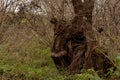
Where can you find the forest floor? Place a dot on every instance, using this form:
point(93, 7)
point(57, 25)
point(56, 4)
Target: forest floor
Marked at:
point(35, 63)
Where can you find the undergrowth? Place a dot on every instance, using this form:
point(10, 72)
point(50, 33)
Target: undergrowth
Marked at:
point(35, 63)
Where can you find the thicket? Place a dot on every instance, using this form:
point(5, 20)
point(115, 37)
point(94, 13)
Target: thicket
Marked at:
point(26, 37)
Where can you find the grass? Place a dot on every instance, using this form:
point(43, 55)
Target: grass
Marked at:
point(35, 63)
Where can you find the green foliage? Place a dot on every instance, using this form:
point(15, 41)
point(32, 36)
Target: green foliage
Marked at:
point(35, 63)
point(115, 74)
point(89, 74)
point(87, 77)
point(117, 61)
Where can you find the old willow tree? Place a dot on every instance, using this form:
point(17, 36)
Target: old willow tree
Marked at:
point(75, 46)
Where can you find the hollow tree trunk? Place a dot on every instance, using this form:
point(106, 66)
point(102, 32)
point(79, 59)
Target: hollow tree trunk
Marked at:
point(75, 46)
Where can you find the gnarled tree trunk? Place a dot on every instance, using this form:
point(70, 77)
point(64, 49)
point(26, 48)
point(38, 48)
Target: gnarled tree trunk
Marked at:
point(75, 46)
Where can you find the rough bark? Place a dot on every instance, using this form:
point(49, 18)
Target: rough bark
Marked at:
point(75, 46)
